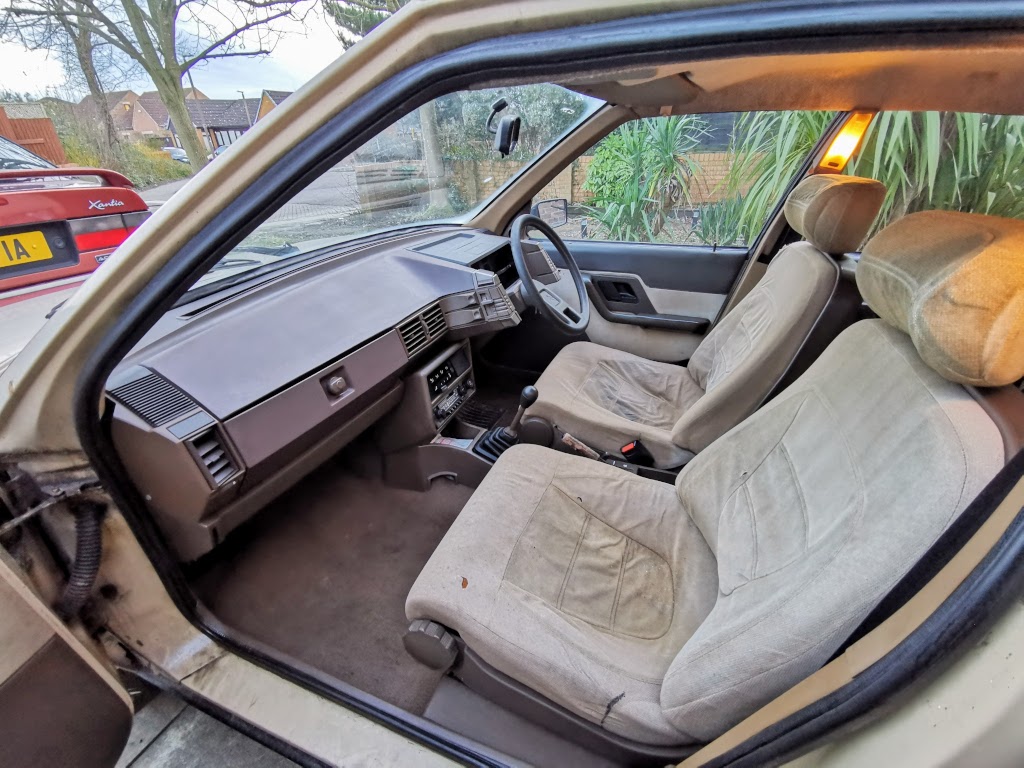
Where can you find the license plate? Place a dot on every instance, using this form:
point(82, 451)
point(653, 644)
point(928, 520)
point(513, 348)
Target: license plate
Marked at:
point(23, 248)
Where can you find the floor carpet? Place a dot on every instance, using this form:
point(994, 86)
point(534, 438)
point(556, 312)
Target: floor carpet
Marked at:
point(322, 574)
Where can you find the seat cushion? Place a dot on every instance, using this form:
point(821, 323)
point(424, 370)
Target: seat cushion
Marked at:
point(607, 398)
point(577, 579)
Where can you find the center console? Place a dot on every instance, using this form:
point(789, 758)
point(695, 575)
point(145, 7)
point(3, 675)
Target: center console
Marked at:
point(422, 439)
point(449, 385)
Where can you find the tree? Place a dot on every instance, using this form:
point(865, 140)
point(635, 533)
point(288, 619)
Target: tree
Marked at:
point(75, 47)
point(355, 19)
point(167, 38)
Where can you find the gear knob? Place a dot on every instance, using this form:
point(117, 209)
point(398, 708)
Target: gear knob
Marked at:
point(528, 397)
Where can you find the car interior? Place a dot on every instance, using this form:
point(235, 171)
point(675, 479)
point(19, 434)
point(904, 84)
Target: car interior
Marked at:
point(582, 499)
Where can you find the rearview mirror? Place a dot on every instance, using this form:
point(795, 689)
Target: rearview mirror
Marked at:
point(507, 135)
point(554, 213)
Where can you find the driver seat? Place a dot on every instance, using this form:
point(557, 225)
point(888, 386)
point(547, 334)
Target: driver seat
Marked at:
point(665, 614)
point(608, 398)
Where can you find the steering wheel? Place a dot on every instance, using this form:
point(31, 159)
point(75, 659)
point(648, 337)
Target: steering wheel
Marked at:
point(535, 288)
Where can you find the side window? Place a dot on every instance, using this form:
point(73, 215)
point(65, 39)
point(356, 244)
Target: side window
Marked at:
point(688, 179)
point(951, 161)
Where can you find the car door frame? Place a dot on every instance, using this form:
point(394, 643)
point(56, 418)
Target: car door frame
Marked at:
point(207, 243)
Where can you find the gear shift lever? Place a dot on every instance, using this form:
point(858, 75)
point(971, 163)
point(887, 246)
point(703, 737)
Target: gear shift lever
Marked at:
point(497, 440)
point(526, 399)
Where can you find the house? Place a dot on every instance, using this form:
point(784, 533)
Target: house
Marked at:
point(27, 125)
point(269, 100)
point(138, 116)
point(219, 122)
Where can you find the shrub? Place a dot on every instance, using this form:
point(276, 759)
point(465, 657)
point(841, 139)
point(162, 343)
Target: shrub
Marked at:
point(640, 172)
point(719, 223)
point(147, 167)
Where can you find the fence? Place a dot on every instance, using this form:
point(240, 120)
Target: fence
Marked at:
point(36, 134)
point(402, 184)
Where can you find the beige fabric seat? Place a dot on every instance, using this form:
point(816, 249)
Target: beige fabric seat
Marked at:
point(667, 614)
point(607, 398)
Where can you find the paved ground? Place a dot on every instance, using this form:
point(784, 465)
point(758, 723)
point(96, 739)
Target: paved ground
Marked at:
point(166, 732)
point(332, 194)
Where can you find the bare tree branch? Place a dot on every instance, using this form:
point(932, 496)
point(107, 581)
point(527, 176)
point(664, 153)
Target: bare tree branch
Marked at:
point(165, 37)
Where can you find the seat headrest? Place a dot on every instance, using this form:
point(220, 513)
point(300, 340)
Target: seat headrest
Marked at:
point(955, 283)
point(834, 213)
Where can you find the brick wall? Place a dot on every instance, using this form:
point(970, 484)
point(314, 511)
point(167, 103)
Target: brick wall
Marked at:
point(478, 179)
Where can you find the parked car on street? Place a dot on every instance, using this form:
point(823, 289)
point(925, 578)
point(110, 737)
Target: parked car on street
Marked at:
point(177, 153)
point(218, 152)
point(585, 383)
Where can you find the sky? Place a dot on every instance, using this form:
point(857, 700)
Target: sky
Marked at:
point(302, 52)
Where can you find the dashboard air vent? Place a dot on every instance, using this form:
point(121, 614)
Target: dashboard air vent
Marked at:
point(418, 331)
point(153, 398)
point(214, 457)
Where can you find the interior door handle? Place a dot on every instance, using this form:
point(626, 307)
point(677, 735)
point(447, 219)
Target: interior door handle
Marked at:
point(617, 291)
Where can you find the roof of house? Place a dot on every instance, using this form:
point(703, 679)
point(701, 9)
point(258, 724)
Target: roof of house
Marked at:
point(113, 98)
point(122, 118)
point(154, 105)
point(222, 113)
point(239, 113)
point(278, 96)
point(23, 111)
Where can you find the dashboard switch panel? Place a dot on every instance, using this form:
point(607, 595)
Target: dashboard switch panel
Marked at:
point(487, 308)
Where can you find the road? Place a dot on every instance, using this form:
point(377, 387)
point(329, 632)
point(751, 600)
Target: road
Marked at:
point(333, 194)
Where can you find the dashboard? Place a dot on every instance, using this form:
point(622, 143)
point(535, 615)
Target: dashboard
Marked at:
point(232, 398)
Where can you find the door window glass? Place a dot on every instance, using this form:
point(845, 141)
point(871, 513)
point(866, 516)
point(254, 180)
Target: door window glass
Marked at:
point(689, 179)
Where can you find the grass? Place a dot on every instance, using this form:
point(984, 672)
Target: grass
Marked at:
point(144, 166)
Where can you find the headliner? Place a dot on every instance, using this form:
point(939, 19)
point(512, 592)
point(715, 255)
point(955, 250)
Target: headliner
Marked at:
point(966, 79)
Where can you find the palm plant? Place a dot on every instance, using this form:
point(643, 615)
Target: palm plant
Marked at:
point(626, 216)
point(768, 149)
point(640, 172)
point(719, 223)
point(945, 160)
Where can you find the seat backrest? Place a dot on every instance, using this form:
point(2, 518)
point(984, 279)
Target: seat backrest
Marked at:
point(819, 503)
point(747, 353)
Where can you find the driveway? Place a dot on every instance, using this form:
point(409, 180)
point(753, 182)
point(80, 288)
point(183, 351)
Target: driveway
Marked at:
point(332, 194)
point(166, 733)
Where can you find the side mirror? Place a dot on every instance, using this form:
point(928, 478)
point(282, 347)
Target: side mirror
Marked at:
point(554, 213)
point(507, 135)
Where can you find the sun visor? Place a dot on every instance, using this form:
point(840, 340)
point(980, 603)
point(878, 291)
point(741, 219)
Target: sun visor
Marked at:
point(668, 91)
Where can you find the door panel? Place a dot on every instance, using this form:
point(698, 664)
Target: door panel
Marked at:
point(58, 705)
point(693, 268)
point(653, 300)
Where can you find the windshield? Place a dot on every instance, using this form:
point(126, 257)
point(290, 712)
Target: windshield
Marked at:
point(435, 164)
point(16, 158)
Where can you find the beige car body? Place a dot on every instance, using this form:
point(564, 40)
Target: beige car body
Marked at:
point(969, 715)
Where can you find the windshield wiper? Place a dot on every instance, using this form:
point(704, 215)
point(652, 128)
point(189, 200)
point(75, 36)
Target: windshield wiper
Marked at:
point(228, 263)
point(269, 250)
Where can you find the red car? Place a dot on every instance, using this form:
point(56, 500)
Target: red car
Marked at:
point(57, 225)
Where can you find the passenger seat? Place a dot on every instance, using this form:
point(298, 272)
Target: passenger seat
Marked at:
point(608, 398)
